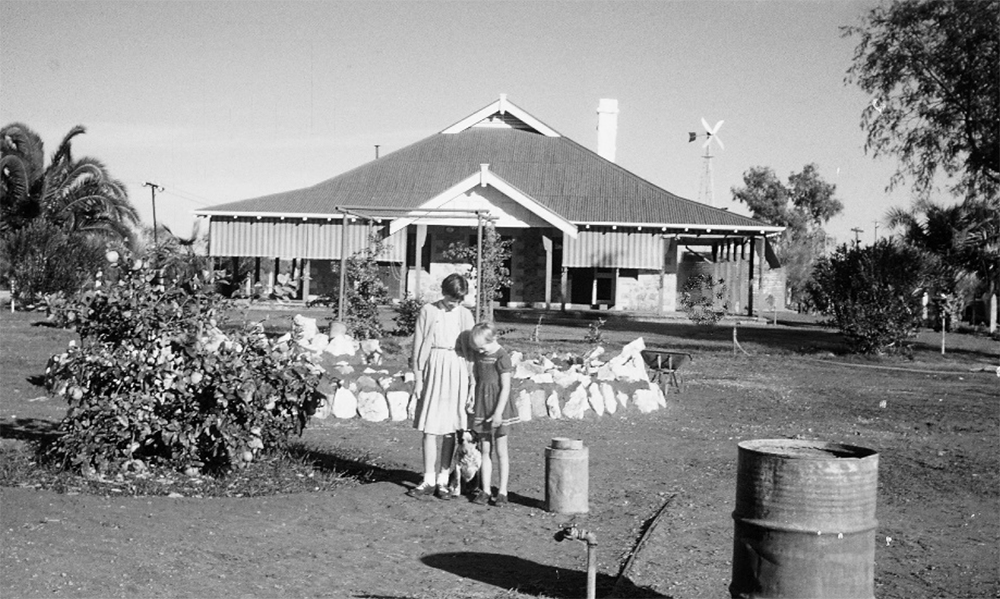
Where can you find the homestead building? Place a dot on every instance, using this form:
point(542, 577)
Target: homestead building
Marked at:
point(586, 232)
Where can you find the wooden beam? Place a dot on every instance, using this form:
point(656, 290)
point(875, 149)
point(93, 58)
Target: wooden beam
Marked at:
point(547, 245)
point(750, 280)
point(564, 286)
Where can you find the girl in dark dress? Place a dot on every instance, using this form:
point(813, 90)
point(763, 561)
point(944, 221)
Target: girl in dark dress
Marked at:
point(493, 412)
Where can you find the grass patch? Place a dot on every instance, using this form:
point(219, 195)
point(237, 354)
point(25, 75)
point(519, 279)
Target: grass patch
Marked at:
point(298, 470)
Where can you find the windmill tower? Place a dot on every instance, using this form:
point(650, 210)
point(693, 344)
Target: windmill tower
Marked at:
point(706, 192)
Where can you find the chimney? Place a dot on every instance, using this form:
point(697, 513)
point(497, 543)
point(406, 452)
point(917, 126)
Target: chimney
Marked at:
point(607, 128)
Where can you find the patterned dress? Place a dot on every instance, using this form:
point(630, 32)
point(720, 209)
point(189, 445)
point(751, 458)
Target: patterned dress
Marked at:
point(488, 369)
point(441, 357)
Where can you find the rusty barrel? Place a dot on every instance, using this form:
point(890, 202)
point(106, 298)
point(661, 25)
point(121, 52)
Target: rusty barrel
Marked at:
point(567, 477)
point(804, 520)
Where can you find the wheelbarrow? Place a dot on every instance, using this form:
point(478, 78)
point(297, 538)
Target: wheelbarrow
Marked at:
point(663, 365)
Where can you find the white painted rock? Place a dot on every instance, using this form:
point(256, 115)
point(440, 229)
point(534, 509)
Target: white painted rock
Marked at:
point(543, 378)
point(645, 400)
point(606, 373)
point(303, 329)
point(342, 345)
point(595, 398)
point(345, 403)
point(622, 399)
point(564, 378)
point(552, 405)
point(371, 346)
point(522, 404)
point(576, 406)
point(366, 382)
point(372, 406)
point(538, 409)
point(385, 382)
point(526, 370)
point(594, 354)
point(397, 401)
point(608, 393)
point(661, 400)
point(317, 344)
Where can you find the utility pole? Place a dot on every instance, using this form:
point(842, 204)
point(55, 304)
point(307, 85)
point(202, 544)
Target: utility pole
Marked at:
point(857, 231)
point(876, 231)
point(152, 188)
point(376, 151)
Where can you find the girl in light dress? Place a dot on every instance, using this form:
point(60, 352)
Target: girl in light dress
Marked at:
point(442, 372)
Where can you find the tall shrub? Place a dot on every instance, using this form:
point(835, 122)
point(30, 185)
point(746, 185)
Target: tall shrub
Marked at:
point(42, 258)
point(496, 275)
point(703, 299)
point(154, 381)
point(872, 294)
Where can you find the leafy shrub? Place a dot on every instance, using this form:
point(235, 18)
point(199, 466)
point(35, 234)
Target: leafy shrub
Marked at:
point(496, 274)
point(595, 336)
point(155, 381)
point(872, 294)
point(703, 299)
point(406, 316)
point(42, 258)
point(366, 290)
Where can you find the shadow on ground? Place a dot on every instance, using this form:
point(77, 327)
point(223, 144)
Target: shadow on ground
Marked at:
point(528, 577)
point(360, 467)
point(29, 429)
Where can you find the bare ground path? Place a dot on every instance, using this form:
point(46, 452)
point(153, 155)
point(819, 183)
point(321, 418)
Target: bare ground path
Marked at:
point(939, 500)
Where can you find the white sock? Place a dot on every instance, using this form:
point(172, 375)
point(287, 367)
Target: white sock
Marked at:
point(442, 478)
point(429, 478)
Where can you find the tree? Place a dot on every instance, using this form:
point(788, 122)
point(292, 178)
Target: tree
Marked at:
point(958, 244)
point(872, 293)
point(802, 206)
point(76, 198)
point(932, 66)
point(495, 275)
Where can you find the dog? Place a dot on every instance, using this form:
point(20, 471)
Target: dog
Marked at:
point(465, 462)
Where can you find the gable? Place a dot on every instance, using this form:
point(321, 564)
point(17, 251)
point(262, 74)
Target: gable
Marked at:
point(502, 114)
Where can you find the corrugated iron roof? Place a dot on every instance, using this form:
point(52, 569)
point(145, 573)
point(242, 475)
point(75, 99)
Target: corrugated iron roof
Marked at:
point(557, 172)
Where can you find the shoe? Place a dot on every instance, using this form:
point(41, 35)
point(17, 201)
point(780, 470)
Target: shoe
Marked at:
point(481, 498)
point(442, 492)
point(500, 501)
point(422, 490)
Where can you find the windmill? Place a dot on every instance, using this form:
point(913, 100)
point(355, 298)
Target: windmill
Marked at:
point(706, 193)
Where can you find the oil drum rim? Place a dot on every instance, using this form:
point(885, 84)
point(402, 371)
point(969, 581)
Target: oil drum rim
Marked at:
point(837, 451)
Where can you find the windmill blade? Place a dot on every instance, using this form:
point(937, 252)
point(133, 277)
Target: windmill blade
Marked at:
point(704, 124)
point(722, 146)
point(716, 128)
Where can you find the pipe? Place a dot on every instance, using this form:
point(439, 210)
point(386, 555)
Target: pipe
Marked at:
point(578, 534)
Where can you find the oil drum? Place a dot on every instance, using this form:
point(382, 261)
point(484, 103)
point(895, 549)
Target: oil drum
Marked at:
point(804, 520)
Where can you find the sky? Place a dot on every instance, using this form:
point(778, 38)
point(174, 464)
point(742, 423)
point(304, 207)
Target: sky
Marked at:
point(222, 101)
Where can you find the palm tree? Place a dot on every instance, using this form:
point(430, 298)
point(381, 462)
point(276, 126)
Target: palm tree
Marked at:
point(79, 195)
point(22, 176)
point(71, 201)
point(960, 243)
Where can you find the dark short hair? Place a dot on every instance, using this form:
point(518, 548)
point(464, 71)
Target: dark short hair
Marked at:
point(455, 285)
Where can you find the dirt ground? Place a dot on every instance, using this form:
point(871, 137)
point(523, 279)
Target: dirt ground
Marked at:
point(938, 534)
